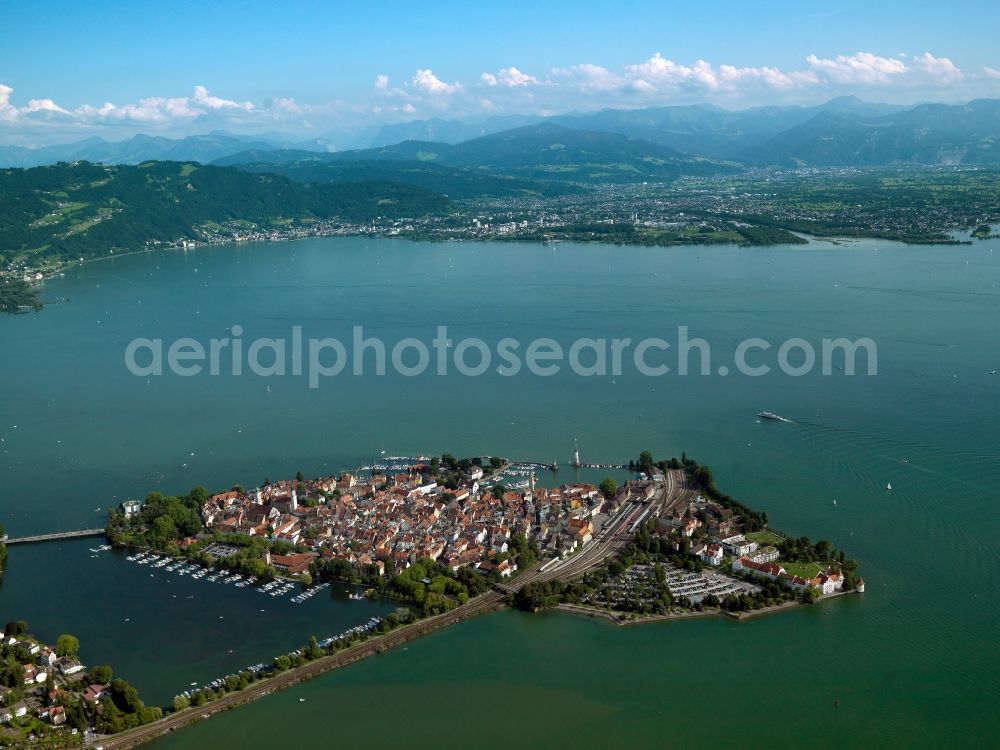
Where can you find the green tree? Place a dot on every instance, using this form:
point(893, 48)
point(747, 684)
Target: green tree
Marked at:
point(15, 628)
point(608, 487)
point(163, 531)
point(199, 496)
point(101, 675)
point(313, 651)
point(125, 697)
point(67, 645)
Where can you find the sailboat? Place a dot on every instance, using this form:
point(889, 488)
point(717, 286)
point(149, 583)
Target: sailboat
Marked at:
point(888, 487)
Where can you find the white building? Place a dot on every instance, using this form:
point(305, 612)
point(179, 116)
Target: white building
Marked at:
point(131, 508)
point(764, 555)
point(711, 555)
point(741, 548)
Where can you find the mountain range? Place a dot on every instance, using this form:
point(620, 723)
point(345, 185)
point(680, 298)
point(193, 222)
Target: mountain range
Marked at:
point(611, 145)
point(928, 134)
point(140, 148)
point(845, 131)
point(454, 182)
point(543, 152)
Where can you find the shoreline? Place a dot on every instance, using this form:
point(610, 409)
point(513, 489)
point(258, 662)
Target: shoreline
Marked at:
point(483, 604)
point(623, 619)
point(196, 245)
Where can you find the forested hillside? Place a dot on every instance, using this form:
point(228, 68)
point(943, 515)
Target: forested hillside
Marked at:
point(69, 211)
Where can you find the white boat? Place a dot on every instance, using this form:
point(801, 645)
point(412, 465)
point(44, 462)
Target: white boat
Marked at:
point(773, 417)
point(888, 487)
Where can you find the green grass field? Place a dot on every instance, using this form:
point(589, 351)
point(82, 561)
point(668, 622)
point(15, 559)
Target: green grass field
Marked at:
point(763, 538)
point(803, 569)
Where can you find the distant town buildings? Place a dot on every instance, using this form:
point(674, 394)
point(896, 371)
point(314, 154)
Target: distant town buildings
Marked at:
point(405, 516)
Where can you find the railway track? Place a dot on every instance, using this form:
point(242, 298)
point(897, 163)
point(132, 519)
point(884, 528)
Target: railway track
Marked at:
point(172, 722)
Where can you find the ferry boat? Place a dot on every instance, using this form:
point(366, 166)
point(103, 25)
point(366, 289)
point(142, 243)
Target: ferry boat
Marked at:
point(772, 416)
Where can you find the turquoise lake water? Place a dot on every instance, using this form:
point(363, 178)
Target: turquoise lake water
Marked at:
point(913, 661)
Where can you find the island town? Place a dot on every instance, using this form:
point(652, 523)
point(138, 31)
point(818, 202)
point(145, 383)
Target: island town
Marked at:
point(446, 538)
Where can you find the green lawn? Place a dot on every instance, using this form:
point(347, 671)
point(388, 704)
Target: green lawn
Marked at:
point(803, 569)
point(764, 538)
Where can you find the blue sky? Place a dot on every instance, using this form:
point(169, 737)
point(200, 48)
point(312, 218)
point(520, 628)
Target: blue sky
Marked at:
point(69, 69)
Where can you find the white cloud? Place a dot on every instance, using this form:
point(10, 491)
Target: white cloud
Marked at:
point(43, 105)
point(771, 77)
point(642, 86)
point(202, 98)
point(659, 73)
point(863, 67)
point(590, 77)
point(510, 77)
point(940, 68)
point(659, 70)
point(655, 80)
point(7, 110)
point(426, 81)
point(287, 104)
point(155, 109)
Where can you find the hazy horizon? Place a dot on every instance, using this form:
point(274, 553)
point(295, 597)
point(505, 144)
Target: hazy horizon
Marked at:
point(360, 137)
point(330, 74)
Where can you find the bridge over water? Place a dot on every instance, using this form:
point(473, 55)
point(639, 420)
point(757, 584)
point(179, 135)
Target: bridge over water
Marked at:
point(55, 536)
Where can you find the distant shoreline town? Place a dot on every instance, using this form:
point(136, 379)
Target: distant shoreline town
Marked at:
point(766, 206)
